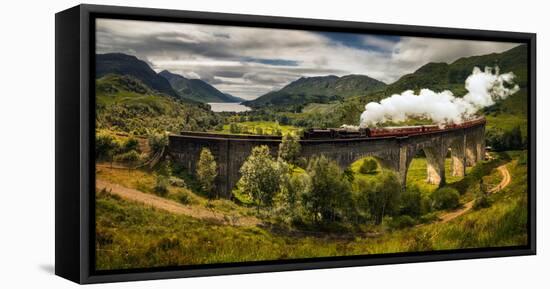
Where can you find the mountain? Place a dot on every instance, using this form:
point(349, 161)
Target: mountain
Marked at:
point(123, 64)
point(444, 76)
point(319, 89)
point(441, 76)
point(235, 98)
point(125, 103)
point(196, 89)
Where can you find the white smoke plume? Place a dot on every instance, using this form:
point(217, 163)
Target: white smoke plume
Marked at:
point(484, 88)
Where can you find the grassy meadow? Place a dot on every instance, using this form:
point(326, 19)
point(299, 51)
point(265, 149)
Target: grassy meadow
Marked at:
point(132, 235)
point(260, 127)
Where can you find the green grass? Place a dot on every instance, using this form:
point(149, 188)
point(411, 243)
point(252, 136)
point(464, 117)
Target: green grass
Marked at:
point(355, 166)
point(124, 104)
point(268, 127)
point(322, 108)
point(502, 224)
point(416, 175)
point(145, 181)
point(130, 235)
point(507, 122)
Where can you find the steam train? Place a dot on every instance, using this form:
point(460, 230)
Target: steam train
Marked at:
point(396, 131)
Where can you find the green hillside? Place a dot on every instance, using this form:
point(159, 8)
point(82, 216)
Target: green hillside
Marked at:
point(122, 64)
point(126, 104)
point(320, 89)
point(502, 117)
point(442, 76)
point(196, 89)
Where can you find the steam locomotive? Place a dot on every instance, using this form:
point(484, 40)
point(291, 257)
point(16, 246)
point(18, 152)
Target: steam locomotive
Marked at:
point(396, 131)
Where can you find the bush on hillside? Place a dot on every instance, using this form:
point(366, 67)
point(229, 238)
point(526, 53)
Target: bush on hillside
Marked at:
point(369, 166)
point(401, 222)
point(445, 198)
point(105, 146)
point(161, 185)
point(131, 157)
point(411, 202)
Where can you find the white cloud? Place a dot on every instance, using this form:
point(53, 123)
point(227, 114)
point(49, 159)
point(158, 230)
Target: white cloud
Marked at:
point(379, 42)
point(413, 52)
point(213, 52)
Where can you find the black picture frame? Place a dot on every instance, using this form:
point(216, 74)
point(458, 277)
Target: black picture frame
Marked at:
point(75, 114)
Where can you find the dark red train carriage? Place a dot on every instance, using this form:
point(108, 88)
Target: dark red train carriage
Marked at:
point(401, 131)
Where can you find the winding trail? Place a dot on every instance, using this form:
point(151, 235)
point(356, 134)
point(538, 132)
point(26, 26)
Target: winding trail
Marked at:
point(506, 179)
point(164, 204)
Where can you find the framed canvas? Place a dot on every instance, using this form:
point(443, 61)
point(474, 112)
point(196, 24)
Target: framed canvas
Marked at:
point(195, 144)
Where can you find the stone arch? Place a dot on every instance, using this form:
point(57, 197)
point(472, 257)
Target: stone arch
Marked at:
point(381, 162)
point(384, 159)
point(435, 153)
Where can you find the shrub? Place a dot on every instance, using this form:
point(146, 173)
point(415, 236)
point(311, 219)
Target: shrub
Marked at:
point(401, 222)
point(383, 196)
point(292, 187)
point(207, 171)
point(361, 199)
point(411, 202)
point(349, 174)
point(420, 242)
point(161, 185)
point(260, 177)
point(105, 146)
point(522, 160)
point(429, 218)
point(482, 202)
point(127, 157)
point(184, 199)
point(234, 128)
point(130, 144)
point(177, 182)
point(289, 148)
point(445, 198)
point(369, 166)
point(157, 142)
point(502, 140)
point(164, 167)
point(425, 205)
point(329, 196)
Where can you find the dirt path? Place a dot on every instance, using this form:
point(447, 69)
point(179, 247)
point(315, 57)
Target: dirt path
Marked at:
point(506, 178)
point(173, 206)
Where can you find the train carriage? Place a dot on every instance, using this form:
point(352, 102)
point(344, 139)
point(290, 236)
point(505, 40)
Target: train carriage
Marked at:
point(401, 131)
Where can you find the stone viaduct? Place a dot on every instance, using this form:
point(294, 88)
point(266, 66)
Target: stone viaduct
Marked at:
point(466, 146)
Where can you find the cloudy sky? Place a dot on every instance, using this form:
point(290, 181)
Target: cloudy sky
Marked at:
point(249, 62)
